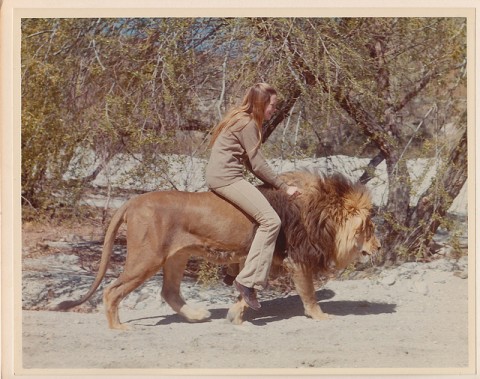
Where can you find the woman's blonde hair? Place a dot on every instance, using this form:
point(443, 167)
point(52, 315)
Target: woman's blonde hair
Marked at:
point(253, 107)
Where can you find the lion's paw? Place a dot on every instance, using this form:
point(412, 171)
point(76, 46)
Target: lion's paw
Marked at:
point(236, 311)
point(323, 316)
point(234, 318)
point(317, 314)
point(121, 327)
point(194, 314)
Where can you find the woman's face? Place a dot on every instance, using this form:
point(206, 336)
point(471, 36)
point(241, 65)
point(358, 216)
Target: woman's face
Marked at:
point(271, 108)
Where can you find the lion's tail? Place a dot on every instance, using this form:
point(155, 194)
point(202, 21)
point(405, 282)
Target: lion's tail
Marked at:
point(115, 223)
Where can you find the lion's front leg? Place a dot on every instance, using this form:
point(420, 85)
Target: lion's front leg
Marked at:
point(303, 279)
point(236, 312)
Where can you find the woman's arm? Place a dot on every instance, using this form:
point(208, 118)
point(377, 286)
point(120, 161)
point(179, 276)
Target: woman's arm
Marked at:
point(250, 140)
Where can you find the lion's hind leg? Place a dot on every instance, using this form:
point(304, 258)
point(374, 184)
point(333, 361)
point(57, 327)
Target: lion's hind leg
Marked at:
point(138, 268)
point(119, 289)
point(111, 300)
point(173, 271)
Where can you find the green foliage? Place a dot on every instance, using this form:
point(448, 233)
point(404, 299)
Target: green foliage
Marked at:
point(132, 87)
point(455, 243)
point(208, 273)
point(90, 84)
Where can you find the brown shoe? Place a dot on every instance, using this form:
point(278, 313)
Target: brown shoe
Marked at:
point(249, 294)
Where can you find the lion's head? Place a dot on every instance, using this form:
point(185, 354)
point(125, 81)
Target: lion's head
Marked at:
point(330, 224)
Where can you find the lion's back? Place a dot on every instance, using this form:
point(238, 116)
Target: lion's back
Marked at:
point(151, 205)
point(198, 213)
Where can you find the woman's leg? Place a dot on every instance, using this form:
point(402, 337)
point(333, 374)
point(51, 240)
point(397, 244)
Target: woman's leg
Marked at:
point(257, 266)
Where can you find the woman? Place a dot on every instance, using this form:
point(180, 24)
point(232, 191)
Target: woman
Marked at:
point(235, 144)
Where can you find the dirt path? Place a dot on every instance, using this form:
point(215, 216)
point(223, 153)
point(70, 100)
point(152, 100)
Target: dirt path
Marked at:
point(413, 316)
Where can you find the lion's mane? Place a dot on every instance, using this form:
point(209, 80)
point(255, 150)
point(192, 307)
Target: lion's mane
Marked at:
point(310, 223)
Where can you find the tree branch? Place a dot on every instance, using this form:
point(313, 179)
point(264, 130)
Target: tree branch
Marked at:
point(415, 91)
point(281, 114)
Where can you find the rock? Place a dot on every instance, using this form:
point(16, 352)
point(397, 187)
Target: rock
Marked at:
point(68, 259)
point(441, 265)
point(462, 262)
point(75, 238)
point(461, 274)
point(447, 251)
point(389, 280)
point(408, 271)
point(410, 265)
point(420, 287)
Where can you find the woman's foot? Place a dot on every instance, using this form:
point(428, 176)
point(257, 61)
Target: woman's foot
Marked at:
point(249, 295)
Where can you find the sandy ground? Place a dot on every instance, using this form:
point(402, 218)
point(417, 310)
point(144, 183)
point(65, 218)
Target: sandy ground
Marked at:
point(410, 319)
point(413, 316)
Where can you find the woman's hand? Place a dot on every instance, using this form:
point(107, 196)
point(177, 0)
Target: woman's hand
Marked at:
point(293, 191)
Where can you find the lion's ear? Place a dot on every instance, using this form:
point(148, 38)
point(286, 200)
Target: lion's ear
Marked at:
point(351, 206)
point(357, 202)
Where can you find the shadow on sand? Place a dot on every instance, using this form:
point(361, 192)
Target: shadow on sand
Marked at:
point(285, 308)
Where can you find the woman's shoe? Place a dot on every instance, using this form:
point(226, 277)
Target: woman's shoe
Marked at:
point(249, 295)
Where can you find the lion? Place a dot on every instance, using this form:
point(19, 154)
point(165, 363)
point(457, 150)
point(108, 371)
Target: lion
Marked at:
point(325, 228)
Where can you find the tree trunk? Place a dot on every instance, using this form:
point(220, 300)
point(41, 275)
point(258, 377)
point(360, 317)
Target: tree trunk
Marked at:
point(397, 206)
point(370, 170)
point(435, 202)
point(281, 114)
